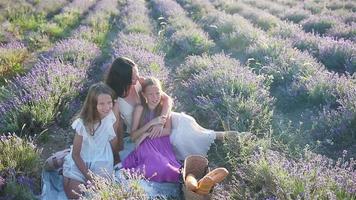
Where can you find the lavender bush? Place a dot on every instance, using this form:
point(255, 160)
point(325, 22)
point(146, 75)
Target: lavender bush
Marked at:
point(271, 174)
point(343, 31)
point(18, 154)
point(140, 46)
point(137, 40)
point(335, 128)
point(67, 19)
point(77, 52)
point(219, 86)
point(39, 96)
point(186, 38)
point(19, 159)
point(295, 15)
point(98, 23)
point(135, 18)
point(318, 24)
point(110, 189)
point(150, 64)
point(336, 55)
point(12, 56)
point(48, 6)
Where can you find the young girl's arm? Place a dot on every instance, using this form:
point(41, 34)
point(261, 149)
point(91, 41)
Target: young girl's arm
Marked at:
point(77, 146)
point(136, 132)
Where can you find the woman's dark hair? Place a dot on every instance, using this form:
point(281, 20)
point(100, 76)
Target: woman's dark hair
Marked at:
point(119, 77)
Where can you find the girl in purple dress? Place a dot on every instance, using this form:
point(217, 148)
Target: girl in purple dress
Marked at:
point(153, 156)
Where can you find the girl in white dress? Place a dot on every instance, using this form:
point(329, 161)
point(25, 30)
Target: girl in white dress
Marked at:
point(187, 136)
point(92, 146)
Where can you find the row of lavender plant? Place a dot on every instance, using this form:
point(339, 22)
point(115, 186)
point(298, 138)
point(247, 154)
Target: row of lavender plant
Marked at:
point(262, 173)
point(27, 23)
point(217, 90)
point(329, 23)
point(318, 6)
point(185, 36)
point(333, 126)
point(97, 25)
point(20, 18)
point(223, 94)
point(39, 97)
point(267, 56)
point(295, 77)
point(136, 41)
point(260, 180)
point(336, 55)
point(67, 19)
point(49, 88)
point(19, 158)
point(254, 179)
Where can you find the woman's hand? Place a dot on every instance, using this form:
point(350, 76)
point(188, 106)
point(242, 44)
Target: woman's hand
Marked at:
point(141, 139)
point(156, 130)
point(157, 121)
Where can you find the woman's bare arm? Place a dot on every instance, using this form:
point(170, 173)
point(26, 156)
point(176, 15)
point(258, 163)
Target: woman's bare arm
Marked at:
point(167, 129)
point(167, 104)
point(117, 143)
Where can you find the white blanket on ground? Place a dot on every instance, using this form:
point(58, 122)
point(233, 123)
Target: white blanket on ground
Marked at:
point(52, 183)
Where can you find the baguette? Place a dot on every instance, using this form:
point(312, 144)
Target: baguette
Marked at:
point(191, 182)
point(218, 174)
point(205, 184)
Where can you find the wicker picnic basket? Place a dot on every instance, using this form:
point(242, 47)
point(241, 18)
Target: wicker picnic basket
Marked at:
point(198, 166)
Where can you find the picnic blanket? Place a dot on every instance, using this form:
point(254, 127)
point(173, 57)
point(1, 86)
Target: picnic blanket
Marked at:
point(52, 182)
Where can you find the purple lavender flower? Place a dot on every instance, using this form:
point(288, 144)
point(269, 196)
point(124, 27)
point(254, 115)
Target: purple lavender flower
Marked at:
point(48, 86)
point(150, 64)
point(78, 52)
point(2, 182)
point(26, 181)
point(135, 18)
point(220, 86)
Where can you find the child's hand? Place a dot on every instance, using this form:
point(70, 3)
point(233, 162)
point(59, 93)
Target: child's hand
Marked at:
point(157, 120)
point(156, 131)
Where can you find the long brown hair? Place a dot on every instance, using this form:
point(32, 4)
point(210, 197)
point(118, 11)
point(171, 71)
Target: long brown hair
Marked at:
point(89, 113)
point(119, 77)
point(157, 111)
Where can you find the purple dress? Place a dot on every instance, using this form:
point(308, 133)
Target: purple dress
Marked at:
point(154, 158)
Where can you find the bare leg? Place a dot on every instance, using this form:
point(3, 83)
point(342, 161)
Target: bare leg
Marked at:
point(70, 185)
point(220, 135)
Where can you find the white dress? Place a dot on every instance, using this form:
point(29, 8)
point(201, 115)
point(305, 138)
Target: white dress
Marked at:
point(126, 109)
point(96, 150)
point(187, 136)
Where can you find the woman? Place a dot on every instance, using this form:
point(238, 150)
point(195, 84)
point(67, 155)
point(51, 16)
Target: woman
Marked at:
point(124, 79)
point(187, 136)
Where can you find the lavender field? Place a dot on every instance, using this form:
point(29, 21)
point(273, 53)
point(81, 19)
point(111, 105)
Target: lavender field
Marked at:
point(280, 72)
